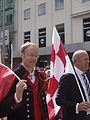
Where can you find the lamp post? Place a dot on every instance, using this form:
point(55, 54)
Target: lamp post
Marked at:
point(3, 41)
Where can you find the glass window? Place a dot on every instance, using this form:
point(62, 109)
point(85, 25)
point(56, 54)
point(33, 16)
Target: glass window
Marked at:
point(86, 29)
point(27, 14)
point(42, 9)
point(84, 0)
point(27, 36)
point(59, 4)
point(42, 37)
point(9, 19)
point(1, 21)
point(60, 29)
point(9, 5)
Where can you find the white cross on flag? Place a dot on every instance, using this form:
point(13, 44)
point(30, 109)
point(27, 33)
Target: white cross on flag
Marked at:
point(60, 64)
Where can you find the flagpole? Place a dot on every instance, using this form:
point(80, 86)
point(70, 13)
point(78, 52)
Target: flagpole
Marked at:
point(11, 56)
point(78, 84)
point(79, 88)
point(3, 42)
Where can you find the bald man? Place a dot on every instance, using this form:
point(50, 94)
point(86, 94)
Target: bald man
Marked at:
point(69, 96)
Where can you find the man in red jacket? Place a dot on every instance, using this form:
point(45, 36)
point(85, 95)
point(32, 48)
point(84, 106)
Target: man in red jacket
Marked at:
point(33, 101)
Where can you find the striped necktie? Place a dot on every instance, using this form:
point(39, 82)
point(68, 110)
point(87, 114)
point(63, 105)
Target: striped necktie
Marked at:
point(86, 84)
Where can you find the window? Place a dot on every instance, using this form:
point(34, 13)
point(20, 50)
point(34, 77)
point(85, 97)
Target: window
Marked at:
point(9, 1)
point(0, 21)
point(9, 5)
point(84, 0)
point(59, 4)
point(60, 29)
point(27, 14)
point(27, 36)
point(86, 29)
point(42, 37)
point(9, 19)
point(42, 9)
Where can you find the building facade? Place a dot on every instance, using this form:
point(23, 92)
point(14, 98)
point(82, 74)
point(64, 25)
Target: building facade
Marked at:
point(7, 26)
point(34, 21)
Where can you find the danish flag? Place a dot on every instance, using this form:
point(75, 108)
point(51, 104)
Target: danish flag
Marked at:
point(60, 64)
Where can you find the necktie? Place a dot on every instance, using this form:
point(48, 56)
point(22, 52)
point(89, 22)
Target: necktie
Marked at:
point(86, 84)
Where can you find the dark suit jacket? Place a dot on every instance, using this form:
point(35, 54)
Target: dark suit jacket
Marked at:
point(24, 111)
point(68, 96)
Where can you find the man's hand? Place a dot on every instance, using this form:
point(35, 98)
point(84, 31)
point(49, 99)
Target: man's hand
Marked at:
point(21, 85)
point(83, 106)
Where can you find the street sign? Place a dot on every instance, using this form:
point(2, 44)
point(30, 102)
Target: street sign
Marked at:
point(6, 37)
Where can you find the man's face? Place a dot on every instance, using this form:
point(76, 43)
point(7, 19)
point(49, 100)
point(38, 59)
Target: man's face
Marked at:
point(30, 56)
point(84, 62)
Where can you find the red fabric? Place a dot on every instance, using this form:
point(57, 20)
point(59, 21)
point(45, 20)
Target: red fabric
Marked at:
point(1, 118)
point(60, 64)
point(52, 86)
point(37, 108)
point(45, 79)
point(51, 110)
point(7, 77)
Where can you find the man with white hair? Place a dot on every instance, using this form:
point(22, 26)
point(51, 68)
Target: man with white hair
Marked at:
point(69, 96)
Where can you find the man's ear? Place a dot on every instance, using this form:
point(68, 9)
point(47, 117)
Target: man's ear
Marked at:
point(21, 55)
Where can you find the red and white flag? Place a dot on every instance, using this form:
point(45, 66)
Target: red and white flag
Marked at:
point(60, 64)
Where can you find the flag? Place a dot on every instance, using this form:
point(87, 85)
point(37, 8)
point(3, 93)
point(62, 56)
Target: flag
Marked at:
point(60, 64)
point(1, 119)
point(7, 76)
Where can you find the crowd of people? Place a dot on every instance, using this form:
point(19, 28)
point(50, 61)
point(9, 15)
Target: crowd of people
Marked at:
point(25, 96)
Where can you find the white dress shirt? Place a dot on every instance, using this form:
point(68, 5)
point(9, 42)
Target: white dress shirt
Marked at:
point(79, 73)
point(31, 76)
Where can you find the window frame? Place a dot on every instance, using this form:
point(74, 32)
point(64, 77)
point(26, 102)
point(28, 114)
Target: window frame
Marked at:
point(42, 36)
point(57, 3)
point(27, 36)
point(41, 7)
point(27, 13)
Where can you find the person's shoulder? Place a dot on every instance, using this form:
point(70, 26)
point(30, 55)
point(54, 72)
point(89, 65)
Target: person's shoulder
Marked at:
point(67, 76)
point(19, 68)
point(16, 69)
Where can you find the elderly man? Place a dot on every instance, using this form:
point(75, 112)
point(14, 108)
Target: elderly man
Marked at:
point(69, 96)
